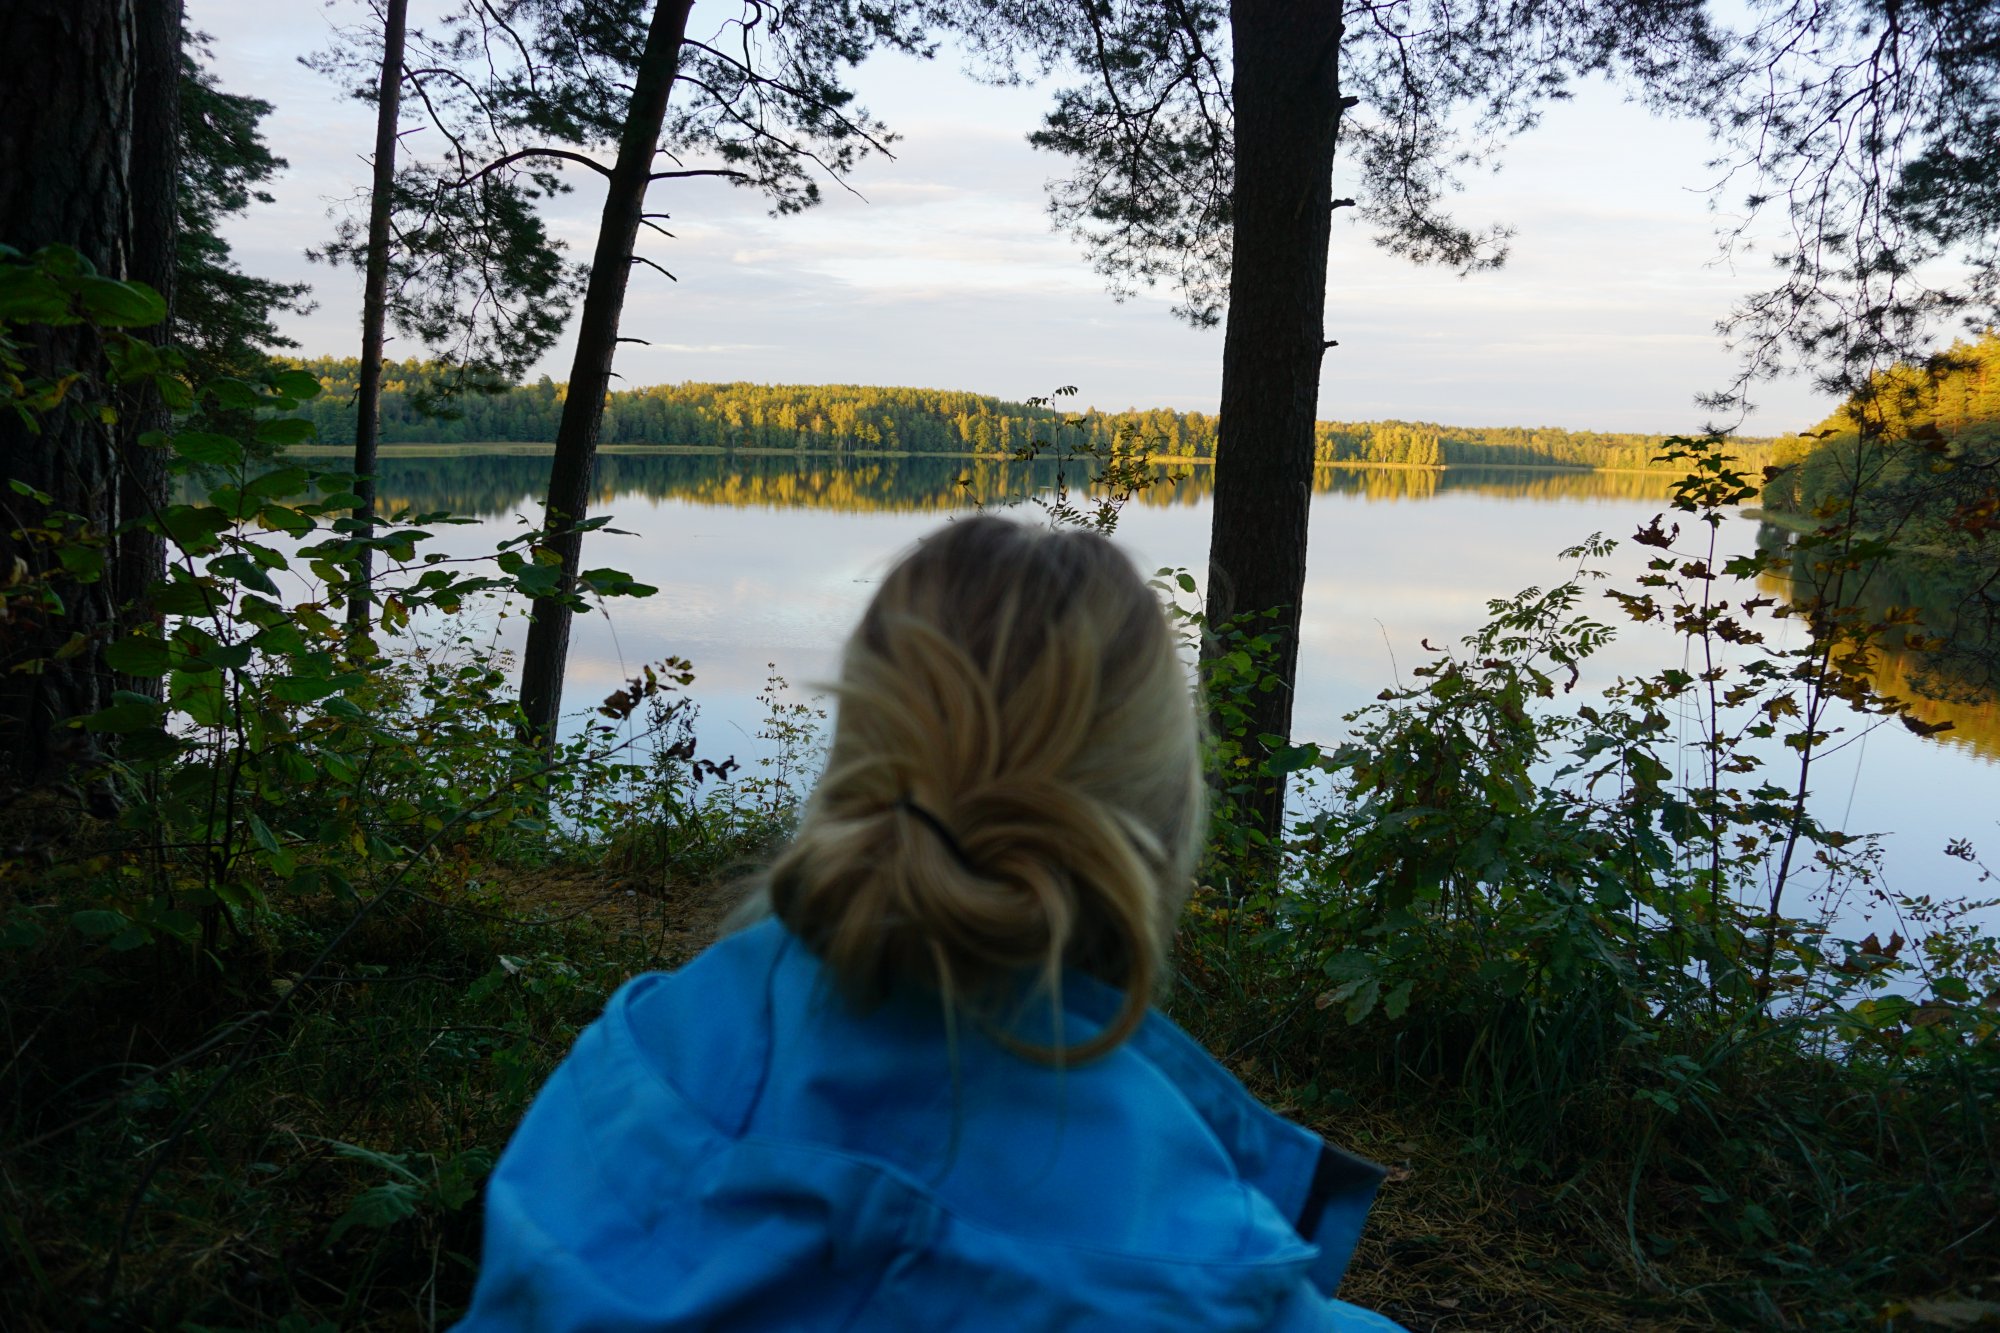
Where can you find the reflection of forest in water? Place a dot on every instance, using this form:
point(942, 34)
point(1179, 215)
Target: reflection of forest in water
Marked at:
point(485, 485)
point(1958, 683)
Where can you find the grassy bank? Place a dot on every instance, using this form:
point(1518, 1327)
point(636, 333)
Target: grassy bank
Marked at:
point(322, 1171)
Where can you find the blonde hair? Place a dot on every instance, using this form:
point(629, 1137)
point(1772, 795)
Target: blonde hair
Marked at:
point(1013, 785)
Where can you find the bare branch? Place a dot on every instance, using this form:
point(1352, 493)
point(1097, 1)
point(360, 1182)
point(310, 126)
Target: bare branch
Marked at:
point(511, 158)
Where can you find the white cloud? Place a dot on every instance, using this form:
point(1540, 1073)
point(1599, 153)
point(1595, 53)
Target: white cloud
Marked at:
point(948, 274)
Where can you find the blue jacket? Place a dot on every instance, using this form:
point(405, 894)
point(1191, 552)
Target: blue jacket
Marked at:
point(732, 1147)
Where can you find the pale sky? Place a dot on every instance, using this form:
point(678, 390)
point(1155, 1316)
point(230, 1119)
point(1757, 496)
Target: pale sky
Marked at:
point(947, 274)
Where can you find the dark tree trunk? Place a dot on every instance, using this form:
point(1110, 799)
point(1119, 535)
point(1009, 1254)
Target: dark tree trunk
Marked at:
point(1288, 106)
point(142, 469)
point(71, 129)
point(375, 308)
point(547, 651)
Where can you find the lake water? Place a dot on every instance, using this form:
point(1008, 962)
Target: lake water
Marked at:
point(769, 560)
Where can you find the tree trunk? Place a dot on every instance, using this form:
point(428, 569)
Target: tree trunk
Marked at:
point(375, 309)
point(1288, 106)
point(547, 651)
point(142, 469)
point(70, 130)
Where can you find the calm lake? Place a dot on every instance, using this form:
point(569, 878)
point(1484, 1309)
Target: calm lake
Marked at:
point(764, 563)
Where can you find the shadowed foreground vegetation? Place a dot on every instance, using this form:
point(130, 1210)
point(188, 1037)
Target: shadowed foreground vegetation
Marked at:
point(282, 964)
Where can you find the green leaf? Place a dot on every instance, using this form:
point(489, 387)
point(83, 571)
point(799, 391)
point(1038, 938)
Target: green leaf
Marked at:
point(183, 926)
point(173, 392)
point(231, 501)
point(194, 528)
point(1954, 989)
point(282, 431)
point(296, 383)
point(120, 304)
point(281, 637)
point(96, 923)
point(614, 583)
point(186, 595)
point(244, 570)
point(261, 832)
point(1646, 770)
point(29, 296)
point(206, 448)
point(276, 485)
point(139, 657)
point(378, 1208)
point(140, 747)
point(199, 695)
point(279, 518)
point(84, 563)
point(227, 656)
point(300, 689)
point(537, 580)
point(232, 395)
point(128, 712)
point(270, 557)
point(1363, 1003)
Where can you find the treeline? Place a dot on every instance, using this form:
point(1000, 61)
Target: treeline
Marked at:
point(1920, 440)
point(850, 418)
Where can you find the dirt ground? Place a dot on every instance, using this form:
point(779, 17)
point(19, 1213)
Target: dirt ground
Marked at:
point(672, 923)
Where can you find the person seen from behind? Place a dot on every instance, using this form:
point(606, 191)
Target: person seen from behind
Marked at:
point(924, 1087)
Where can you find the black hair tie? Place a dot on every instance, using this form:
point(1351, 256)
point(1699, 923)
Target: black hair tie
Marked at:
point(944, 833)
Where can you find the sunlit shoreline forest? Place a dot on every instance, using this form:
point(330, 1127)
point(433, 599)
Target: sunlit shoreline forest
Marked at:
point(860, 420)
point(1909, 467)
point(312, 870)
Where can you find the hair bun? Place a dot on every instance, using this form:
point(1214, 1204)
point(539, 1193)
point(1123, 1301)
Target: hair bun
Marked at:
point(1012, 785)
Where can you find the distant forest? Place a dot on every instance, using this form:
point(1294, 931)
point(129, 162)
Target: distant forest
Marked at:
point(841, 418)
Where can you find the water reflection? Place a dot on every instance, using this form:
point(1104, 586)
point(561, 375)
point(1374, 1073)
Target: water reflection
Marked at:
point(477, 482)
point(482, 485)
point(764, 562)
point(1958, 681)
point(1975, 721)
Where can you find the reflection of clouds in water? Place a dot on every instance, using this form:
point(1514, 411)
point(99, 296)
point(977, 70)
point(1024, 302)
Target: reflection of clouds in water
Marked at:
point(743, 592)
point(746, 585)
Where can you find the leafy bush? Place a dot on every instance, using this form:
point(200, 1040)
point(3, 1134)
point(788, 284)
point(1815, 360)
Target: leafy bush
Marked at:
point(271, 1018)
point(1609, 959)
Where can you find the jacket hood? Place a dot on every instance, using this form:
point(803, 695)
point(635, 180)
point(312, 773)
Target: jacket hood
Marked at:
point(731, 1145)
